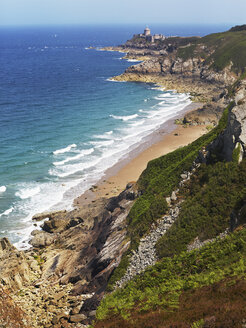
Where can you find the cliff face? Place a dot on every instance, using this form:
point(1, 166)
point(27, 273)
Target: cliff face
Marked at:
point(67, 270)
point(213, 58)
point(15, 266)
point(213, 187)
point(234, 136)
point(192, 68)
point(182, 203)
point(198, 260)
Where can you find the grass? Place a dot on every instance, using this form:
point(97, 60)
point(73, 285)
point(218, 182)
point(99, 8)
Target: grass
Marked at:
point(221, 304)
point(211, 196)
point(159, 44)
point(161, 286)
point(219, 50)
point(157, 181)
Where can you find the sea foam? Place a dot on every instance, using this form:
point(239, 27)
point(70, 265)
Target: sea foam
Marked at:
point(7, 212)
point(74, 158)
point(2, 189)
point(71, 169)
point(102, 143)
point(124, 118)
point(64, 150)
point(27, 192)
point(90, 164)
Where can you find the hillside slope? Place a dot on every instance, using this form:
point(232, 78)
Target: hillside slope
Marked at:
point(199, 279)
point(170, 250)
point(202, 256)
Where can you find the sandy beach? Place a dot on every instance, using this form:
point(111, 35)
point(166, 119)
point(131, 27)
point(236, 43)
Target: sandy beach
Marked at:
point(162, 141)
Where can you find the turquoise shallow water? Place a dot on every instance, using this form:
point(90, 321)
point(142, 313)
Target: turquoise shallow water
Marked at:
point(62, 122)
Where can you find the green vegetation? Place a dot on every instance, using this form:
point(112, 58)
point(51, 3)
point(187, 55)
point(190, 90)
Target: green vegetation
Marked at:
point(211, 196)
point(161, 286)
point(233, 88)
point(39, 259)
point(198, 324)
point(238, 28)
point(187, 52)
point(204, 287)
point(219, 50)
point(157, 181)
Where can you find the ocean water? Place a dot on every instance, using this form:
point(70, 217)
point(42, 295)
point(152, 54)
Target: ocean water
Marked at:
point(62, 121)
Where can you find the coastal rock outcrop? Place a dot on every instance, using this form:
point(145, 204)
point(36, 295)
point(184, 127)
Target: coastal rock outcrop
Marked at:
point(75, 251)
point(15, 268)
point(192, 68)
point(11, 316)
point(234, 135)
point(64, 276)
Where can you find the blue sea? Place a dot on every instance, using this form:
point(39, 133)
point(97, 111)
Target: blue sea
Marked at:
point(62, 121)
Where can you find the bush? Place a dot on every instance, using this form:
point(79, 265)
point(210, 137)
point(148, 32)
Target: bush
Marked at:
point(211, 196)
point(160, 286)
point(157, 181)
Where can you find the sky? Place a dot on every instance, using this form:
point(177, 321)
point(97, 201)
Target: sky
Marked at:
point(67, 12)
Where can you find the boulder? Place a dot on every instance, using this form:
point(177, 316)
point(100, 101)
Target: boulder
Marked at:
point(168, 200)
point(173, 196)
point(44, 215)
point(5, 245)
point(77, 318)
point(42, 238)
point(14, 268)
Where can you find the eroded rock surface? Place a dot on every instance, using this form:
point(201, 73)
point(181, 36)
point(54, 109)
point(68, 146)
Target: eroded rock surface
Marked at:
point(15, 266)
point(63, 277)
point(11, 316)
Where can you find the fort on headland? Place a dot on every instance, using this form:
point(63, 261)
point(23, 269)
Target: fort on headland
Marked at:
point(148, 37)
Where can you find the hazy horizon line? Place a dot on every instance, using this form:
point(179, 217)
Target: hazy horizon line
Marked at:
point(120, 24)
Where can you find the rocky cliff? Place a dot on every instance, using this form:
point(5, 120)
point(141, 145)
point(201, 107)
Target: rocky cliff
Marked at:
point(67, 269)
point(173, 242)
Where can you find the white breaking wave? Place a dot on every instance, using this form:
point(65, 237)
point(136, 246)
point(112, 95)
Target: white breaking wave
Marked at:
point(102, 143)
point(133, 61)
point(103, 136)
point(2, 189)
point(165, 95)
point(27, 192)
point(73, 179)
point(64, 150)
point(7, 212)
point(124, 118)
point(74, 158)
point(112, 80)
point(74, 168)
point(138, 123)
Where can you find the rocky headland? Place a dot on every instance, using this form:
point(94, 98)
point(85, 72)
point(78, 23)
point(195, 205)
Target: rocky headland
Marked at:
point(80, 256)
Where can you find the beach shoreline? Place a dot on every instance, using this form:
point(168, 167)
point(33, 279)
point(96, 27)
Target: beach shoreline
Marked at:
point(163, 140)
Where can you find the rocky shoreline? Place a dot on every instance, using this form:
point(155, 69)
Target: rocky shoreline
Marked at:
point(61, 280)
point(164, 66)
point(63, 277)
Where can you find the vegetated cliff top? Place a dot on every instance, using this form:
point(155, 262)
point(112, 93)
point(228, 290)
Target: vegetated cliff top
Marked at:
point(180, 290)
point(218, 50)
point(238, 28)
point(160, 44)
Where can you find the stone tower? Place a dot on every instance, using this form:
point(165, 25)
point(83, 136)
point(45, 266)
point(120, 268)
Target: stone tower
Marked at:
point(147, 31)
